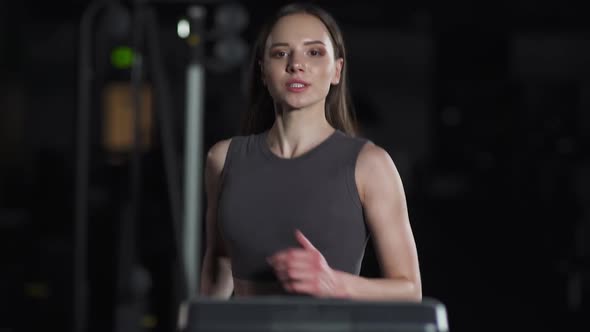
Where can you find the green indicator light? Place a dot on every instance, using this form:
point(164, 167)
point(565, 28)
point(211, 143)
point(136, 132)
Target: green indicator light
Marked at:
point(122, 57)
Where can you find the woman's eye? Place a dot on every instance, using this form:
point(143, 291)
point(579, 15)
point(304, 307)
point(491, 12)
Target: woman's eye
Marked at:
point(279, 54)
point(315, 53)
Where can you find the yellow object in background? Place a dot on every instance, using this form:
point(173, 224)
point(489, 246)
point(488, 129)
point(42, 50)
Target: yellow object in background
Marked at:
point(118, 117)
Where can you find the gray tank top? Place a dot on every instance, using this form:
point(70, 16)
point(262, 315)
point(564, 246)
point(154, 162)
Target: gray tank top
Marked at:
point(264, 198)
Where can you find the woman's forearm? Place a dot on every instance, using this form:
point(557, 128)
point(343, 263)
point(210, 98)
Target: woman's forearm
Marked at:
point(380, 289)
point(216, 280)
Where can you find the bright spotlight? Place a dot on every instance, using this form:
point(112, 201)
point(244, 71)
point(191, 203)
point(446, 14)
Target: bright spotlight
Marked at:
point(183, 28)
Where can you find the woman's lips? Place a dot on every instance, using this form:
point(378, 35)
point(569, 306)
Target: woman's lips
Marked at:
point(297, 85)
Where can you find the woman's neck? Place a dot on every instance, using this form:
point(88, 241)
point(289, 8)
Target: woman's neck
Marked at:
point(296, 132)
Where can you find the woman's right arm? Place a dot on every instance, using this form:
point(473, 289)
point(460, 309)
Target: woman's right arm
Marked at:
point(216, 274)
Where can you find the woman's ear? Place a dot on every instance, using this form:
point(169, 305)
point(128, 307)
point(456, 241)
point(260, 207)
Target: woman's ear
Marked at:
point(338, 71)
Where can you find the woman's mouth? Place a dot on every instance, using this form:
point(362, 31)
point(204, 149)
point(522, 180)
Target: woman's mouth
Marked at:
point(296, 86)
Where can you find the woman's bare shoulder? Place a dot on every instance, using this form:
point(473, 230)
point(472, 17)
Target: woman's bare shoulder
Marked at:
point(217, 154)
point(372, 156)
point(374, 169)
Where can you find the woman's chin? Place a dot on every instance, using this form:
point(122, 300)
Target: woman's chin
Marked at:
point(296, 105)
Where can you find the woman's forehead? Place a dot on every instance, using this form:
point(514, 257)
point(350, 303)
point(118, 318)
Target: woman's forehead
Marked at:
point(298, 28)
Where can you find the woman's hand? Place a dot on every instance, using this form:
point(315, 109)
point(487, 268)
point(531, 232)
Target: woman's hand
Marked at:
point(305, 270)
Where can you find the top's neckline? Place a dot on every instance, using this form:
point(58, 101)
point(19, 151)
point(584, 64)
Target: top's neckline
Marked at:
point(270, 154)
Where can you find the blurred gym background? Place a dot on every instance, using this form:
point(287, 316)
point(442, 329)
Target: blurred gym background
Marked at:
point(484, 107)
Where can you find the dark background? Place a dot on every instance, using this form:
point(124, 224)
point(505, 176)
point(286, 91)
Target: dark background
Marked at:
point(483, 105)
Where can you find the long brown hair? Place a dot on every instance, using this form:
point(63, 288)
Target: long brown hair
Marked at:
point(260, 113)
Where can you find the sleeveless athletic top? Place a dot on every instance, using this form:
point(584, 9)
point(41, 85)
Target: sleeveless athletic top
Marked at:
point(264, 198)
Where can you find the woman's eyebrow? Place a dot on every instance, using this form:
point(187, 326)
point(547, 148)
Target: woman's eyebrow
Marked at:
point(314, 42)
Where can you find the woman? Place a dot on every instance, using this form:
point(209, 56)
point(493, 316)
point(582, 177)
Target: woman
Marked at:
point(292, 201)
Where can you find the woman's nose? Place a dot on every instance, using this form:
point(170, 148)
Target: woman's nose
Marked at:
point(295, 64)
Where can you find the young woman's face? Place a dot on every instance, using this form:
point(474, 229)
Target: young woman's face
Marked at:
point(298, 66)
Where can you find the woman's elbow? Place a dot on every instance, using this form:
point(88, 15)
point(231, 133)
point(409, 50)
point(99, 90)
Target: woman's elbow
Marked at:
point(413, 291)
point(417, 292)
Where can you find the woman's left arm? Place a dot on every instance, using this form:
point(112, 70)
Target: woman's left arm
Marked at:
point(384, 202)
